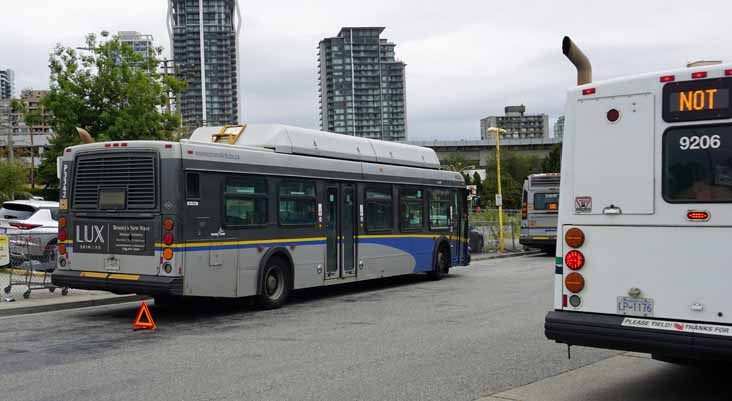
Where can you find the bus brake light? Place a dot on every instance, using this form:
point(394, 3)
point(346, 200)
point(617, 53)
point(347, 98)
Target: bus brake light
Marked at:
point(168, 239)
point(574, 259)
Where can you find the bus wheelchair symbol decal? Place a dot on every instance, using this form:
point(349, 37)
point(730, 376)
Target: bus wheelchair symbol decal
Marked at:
point(583, 204)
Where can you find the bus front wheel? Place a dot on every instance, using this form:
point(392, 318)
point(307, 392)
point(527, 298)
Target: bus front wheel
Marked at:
point(276, 284)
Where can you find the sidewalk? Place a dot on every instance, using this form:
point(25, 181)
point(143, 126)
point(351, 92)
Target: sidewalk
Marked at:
point(44, 301)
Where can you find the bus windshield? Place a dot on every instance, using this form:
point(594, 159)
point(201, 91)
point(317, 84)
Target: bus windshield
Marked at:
point(697, 164)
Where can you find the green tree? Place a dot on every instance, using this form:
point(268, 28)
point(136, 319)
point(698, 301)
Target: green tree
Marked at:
point(552, 163)
point(13, 175)
point(514, 170)
point(455, 162)
point(109, 90)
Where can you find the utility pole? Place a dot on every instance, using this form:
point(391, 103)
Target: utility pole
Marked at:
point(499, 195)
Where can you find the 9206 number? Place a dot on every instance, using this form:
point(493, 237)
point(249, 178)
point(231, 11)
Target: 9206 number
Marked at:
point(700, 142)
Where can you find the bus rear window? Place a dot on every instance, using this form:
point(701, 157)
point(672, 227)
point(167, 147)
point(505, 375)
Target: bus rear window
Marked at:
point(697, 164)
point(546, 201)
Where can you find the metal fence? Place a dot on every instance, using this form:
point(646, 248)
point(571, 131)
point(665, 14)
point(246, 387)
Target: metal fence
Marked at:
point(485, 231)
point(32, 259)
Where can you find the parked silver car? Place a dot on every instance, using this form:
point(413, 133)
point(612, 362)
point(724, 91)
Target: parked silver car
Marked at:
point(32, 226)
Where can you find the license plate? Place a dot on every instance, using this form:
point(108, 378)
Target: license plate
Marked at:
point(111, 264)
point(635, 306)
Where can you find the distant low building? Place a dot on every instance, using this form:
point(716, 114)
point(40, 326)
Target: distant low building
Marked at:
point(517, 124)
point(29, 142)
point(559, 127)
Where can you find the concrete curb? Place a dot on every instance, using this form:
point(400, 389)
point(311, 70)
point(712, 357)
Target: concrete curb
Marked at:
point(26, 310)
point(477, 258)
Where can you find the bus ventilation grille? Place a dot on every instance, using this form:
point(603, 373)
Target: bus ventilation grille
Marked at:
point(136, 173)
point(546, 181)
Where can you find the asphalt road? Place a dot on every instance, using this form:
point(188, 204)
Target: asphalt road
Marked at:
point(476, 333)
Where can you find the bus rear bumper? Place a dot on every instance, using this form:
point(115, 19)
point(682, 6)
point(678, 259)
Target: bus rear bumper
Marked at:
point(118, 283)
point(606, 331)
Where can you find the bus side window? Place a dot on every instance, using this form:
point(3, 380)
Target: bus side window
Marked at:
point(379, 206)
point(439, 210)
point(411, 209)
point(193, 186)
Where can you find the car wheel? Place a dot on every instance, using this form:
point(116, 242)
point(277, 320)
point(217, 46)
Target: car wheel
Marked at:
point(276, 284)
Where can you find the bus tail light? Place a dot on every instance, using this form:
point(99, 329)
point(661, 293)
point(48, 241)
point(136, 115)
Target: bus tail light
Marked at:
point(62, 235)
point(574, 237)
point(574, 259)
point(574, 282)
point(168, 253)
point(168, 224)
point(524, 210)
point(698, 215)
point(168, 239)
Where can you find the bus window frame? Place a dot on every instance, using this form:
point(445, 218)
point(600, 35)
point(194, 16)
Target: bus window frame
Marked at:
point(313, 197)
point(422, 202)
point(663, 160)
point(429, 210)
point(366, 202)
point(533, 202)
point(255, 196)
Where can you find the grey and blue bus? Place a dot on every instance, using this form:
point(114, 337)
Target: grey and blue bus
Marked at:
point(257, 210)
point(539, 211)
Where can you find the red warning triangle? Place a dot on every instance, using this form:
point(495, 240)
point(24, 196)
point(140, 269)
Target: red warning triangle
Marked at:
point(139, 323)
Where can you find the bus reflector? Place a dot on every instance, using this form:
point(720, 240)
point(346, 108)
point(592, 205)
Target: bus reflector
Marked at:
point(698, 215)
point(574, 237)
point(168, 253)
point(699, 74)
point(588, 91)
point(574, 259)
point(668, 78)
point(574, 282)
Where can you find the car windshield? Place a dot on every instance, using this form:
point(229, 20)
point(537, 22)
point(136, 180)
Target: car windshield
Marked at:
point(16, 211)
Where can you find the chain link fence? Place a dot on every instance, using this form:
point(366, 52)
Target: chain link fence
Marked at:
point(485, 228)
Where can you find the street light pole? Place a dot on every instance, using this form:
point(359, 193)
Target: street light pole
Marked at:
point(499, 196)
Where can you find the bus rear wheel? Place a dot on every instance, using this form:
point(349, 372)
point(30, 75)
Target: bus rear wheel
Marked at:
point(275, 286)
point(442, 264)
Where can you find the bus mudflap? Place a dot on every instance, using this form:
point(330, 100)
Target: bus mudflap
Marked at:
point(607, 331)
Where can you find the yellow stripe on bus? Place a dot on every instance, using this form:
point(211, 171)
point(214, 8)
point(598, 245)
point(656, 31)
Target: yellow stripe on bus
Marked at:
point(251, 242)
point(93, 274)
point(133, 277)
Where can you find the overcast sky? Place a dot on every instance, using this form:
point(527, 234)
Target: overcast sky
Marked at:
point(465, 59)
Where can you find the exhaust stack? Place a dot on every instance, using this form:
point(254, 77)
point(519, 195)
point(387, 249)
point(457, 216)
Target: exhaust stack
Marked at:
point(84, 135)
point(575, 55)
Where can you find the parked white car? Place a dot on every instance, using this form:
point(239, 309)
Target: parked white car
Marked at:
point(32, 226)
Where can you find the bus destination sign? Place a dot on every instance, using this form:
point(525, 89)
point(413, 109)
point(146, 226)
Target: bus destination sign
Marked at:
point(708, 99)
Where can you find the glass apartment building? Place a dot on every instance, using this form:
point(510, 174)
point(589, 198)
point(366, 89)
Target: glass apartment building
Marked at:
point(362, 85)
point(204, 41)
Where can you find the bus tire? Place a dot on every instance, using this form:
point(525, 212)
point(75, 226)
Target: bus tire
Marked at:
point(442, 264)
point(275, 285)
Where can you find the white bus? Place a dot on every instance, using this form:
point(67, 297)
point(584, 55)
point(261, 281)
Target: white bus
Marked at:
point(645, 214)
point(254, 210)
point(539, 211)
